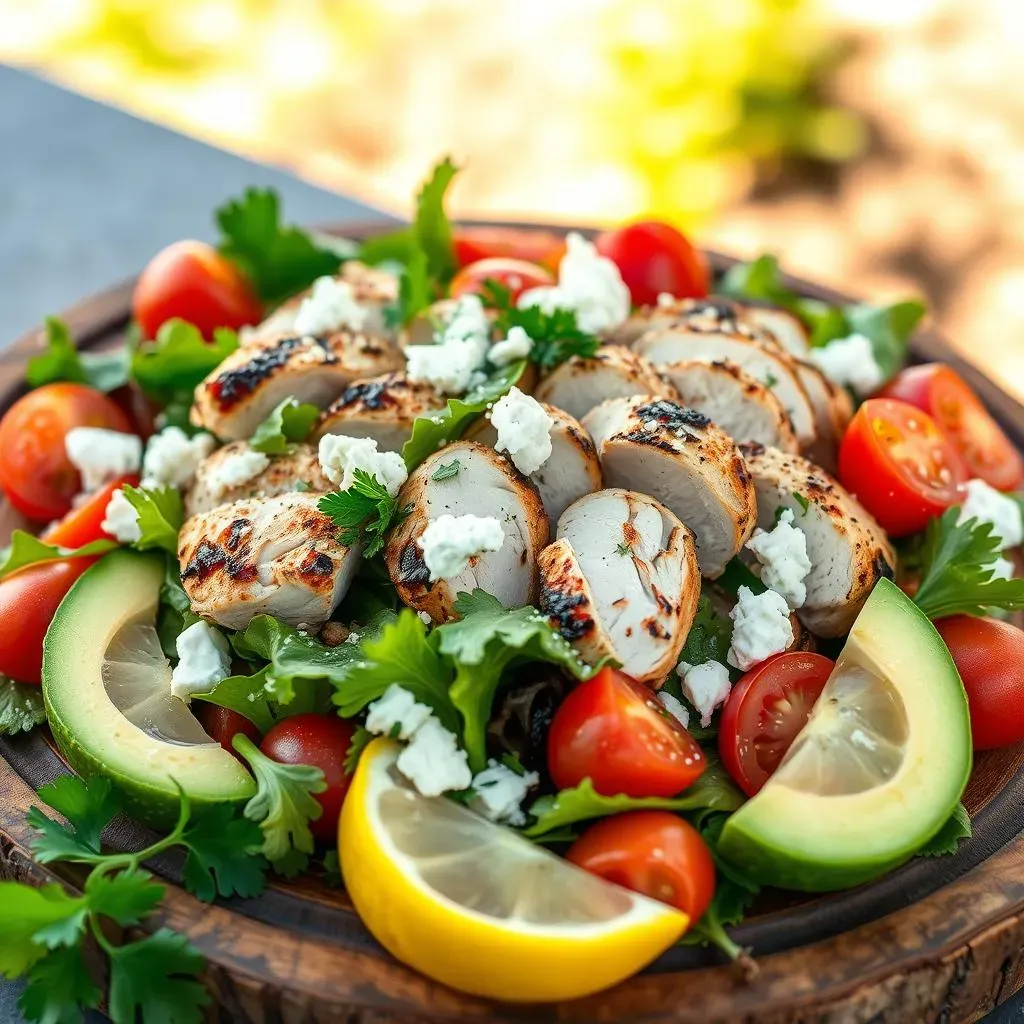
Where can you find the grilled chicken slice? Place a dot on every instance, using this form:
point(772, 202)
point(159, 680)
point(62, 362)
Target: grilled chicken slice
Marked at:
point(265, 556)
point(848, 550)
point(738, 403)
point(572, 469)
point(243, 390)
point(579, 384)
point(788, 330)
point(621, 582)
point(297, 470)
point(383, 408)
point(714, 330)
point(486, 484)
point(832, 412)
point(680, 457)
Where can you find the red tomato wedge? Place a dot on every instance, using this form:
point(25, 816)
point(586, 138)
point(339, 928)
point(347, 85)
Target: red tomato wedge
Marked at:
point(82, 525)
point(900, 465)
point(942, 393)
point(517, 276)
point(530, 244)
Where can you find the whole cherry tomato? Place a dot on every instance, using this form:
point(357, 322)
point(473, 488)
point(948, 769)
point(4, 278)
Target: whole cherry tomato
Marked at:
point(193, 281)
point(83, 524)
point(517, 276)
point(530, 244)
point(612, 730)
point(223, 725)
point(654, 853)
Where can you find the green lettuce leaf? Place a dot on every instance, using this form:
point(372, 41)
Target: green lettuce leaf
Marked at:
point(160, 512)
point(26, 549)
point(288, 423)
point(948, 838)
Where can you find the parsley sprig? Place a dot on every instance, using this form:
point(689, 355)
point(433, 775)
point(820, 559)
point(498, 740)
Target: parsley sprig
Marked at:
point(364, 513)
point(60, 360)
point(21, 707)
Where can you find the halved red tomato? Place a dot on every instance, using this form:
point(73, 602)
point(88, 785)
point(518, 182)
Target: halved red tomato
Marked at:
point(941, 392)
point(530, 244)
point(765, 711)
point(83, 524)
point(517, 276)
point(900, 465)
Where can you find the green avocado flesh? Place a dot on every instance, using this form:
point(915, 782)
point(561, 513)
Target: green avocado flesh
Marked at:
point(877, 770)
point(106, 685)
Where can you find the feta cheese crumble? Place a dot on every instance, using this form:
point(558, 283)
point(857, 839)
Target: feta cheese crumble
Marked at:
point(589, 284)
point(782, 552)
point(172, 457)
point(329, 307)
point(706, 687)
point(850, 362)
point(238, 468)
point(398, 707)
point(433, 762)
point(665, 299)
point(449, 542)
point(988, 505)
point(524, 430)
point(340, 456)
point(499, 793)
point(120, 519)
point(516, 346)
point(761, 628)
point(102, 455)
point(204, 660)
point(458, 353)
point(674, 706)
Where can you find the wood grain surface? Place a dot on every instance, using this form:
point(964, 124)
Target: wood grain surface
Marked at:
point(940, 940)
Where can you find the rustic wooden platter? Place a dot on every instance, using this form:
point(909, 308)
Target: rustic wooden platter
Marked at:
point(938, 940)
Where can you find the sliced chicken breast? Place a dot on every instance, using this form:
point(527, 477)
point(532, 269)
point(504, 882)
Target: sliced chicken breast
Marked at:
point(383, 408)
point(214, 484)
point(622, 582)
point(680, 457)
point(615, 372)
point(243, 390)
point(788, 330)
point(738, 403)
point(572, 469)
point(833, 411)
point(664, 314)
point(849, 551)
point(486, 485)
point(265, 556)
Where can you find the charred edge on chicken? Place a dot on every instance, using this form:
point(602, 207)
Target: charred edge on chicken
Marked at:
point(233, 385)
point(673, 416)
point(209, 558)
point(411, 567)
point(374, 394)
point(565, 612)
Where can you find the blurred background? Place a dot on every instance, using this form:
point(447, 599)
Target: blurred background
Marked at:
point(872, 144)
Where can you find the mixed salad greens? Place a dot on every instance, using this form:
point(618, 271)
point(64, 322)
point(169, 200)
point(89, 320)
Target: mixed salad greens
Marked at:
point(509, 579)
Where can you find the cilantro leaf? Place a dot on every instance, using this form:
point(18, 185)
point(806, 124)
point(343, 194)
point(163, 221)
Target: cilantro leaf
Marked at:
point(246, 696)
point(364, 513)
point(958, 561)
point(26, 549)
point(59, 988)
point(486, 640)
point(126, 897)
point(709, 637)
point(361, 739)
point(178, 359)
point(60, 360)
point(160, 513)
point(156, 980)
point(21, 707)
point(289, 422)
point(278, 260)
point(284, 804)
point(222, 855)
point(24, 913)
point(446, 471)
point(947, 839)
point(88, 806)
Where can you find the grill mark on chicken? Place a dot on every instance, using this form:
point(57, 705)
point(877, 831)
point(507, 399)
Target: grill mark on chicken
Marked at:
point(651, 440)
point(373, 394)
point(411, 567)
point(235, 532)
point(206, 560)
point(317, 563)
point(233, 385)
point(565, 611)
point(672, 416)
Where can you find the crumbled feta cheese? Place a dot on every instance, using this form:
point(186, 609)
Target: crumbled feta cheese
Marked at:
point(329, 307)
point(102, 455)
point(449, 542)
point(589, 284)
point(459, 353)
point(433, 762)
point(706, 687)
point(988, 505)
point(425, 618)
point(674, 706)
point(666, 299)
point(340, 457)
point(760, 628)
point(204, 660)
point(1003, 569)
point(516, 346)
point(850, 362)
point(238, 468)
point(120, 519)
point(397, 707)
point(172, 457)
point(524, 430)
point(782, 552)
point(500, 793)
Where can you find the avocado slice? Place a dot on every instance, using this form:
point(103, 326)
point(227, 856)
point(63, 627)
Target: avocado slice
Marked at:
point(106, 686)
point(877, 770)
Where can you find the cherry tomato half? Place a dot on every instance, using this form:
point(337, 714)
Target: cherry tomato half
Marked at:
point(765, 711)
point(533, 245)
point(193, 281)
point(653, 853)
point(654, 257)
point(223, 725)
point(517, 276)
point(612, 730)
point(898, 463)
point(35, 472)
point(942, 393)
point(321, 741)
point(83, 524)
point(989, 656)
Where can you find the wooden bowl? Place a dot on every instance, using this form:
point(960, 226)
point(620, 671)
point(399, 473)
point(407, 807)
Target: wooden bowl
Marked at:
point(940, 939)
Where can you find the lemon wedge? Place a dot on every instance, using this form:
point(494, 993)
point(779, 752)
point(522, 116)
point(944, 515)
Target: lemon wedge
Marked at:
point(477, 907)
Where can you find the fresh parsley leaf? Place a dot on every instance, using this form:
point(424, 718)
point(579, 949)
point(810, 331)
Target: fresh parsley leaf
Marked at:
point(60, 360)
point(332, 870)
point(623, 549)
point(446, 471)
point(160, 514)
point(278, 260)
point(709, 637)
point(288, 423)
point(59, 987)
point(803, 501)
point(361, 739)
point(957, 566)
point(21, 707)
point(364, 513)
point(26, 549)
point(88, 807)
point(126, 897)
point(738, 574)
point(948, 838)
point(223, 855)
point(178, 359)
point(26, 912)
point(246, 696)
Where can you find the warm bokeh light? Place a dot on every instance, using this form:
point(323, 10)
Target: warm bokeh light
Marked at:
point(877, 145)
